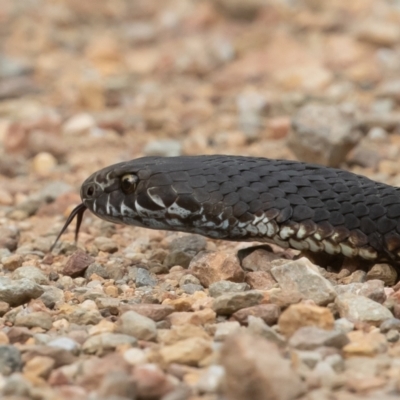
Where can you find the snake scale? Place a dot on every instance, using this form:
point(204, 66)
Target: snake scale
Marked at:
point(292, 204)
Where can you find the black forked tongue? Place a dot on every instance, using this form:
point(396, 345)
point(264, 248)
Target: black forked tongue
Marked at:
point(77, 211)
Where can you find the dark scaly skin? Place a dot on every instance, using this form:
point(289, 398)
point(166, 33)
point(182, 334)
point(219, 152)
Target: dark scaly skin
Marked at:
point(293, 204)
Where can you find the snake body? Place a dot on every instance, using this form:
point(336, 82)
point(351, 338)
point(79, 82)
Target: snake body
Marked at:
point(293, 204)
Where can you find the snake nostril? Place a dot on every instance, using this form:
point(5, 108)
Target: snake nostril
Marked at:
point(90, 191)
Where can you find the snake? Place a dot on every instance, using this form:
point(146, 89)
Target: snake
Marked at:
point(292, 204)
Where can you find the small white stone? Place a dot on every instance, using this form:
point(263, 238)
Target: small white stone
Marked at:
point(79, 124)
point(135, 356)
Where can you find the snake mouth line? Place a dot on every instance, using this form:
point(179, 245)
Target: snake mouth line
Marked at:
point(76, 212)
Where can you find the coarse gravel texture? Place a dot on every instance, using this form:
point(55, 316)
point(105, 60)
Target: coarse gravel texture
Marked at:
point(134, 314)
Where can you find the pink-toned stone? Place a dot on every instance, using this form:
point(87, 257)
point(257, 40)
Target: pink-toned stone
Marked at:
point(214, 267)
point(77, 264)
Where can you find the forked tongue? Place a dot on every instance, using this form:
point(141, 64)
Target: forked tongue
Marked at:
point(77, 211)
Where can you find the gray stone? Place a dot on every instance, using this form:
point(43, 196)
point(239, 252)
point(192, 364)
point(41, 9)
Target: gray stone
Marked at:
point(178, 257)
point(229, 303)
point(311, 337)
point(32, 273)
point(390, 324)
point(10, 359)
point(303, 277)
point(17, 292)
point(344, 325)
point(97, 269)
point(104, 342)
point(392, 336)
point(39, 319)
point(65, 343)
point(323, 134)
point(16, 386)
point(144, 278)
point(51, 296)
point(188, 278)
point(137, 325)
point(361, 309)
point(309, 358)
point(219, 288)
point(191, 288)
point(188, 243)
point(258, 327)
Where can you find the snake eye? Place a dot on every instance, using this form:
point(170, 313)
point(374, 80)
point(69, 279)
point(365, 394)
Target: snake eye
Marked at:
point(128, 183)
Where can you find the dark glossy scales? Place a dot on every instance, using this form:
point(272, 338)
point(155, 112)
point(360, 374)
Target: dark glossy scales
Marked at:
point(245, 198)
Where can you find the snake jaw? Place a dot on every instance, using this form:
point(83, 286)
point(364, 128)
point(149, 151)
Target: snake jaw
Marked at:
point(78, 212)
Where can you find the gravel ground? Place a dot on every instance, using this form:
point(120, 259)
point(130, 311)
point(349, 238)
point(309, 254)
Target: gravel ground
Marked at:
point(128, 313)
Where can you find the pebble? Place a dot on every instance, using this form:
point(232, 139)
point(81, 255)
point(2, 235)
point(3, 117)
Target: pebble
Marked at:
point(77, 264)
point(297, 316)
point(181, 332)
point(32, 273)
point(104, 342)
point(151, 381)
point(261, 280)
point(258, 327)
point(44, 163)
point(251, 375)
point(361, 309)
point(343, 325)
point(144, 278)
point(323, 134)
point(224, 329)
point(135, 356)
point(257, 258)
point(97, 269)
point(221, 287)
point(19, 291)
point(269, 313)
point(383, 272)
point(189, 351)
point(191, 288)
point(12, 262)
point(10, 359)
point(39, 319)
point(82, 316)
point(303, 277)
point(65, 343)
point(117, 385)
point(229, 303)
point(178, 257)
point(105, 244)
point(136, 325)
point(39, 367)
point(156, 312)
point(213, 267)
point(164, 148)
point(79, 124)
point(312, 337)
point(211, 380)
point(365, 344)
point(390, 324)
